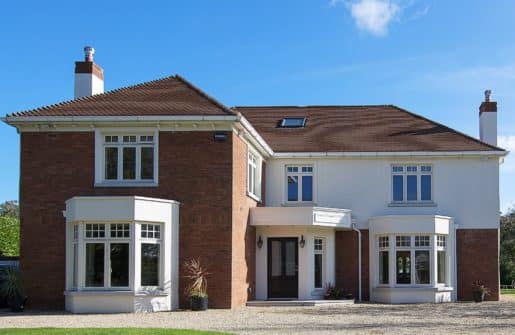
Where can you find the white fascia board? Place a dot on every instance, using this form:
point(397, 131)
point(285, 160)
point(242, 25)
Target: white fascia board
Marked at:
point(380, 154)
point(257, 140)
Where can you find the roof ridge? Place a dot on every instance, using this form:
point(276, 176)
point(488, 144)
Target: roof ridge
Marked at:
point(124, 89)
point(311, 106)
point(447, 127)
point(205, 95)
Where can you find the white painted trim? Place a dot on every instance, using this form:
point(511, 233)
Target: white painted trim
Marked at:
point(381, 154)
point(78, 119)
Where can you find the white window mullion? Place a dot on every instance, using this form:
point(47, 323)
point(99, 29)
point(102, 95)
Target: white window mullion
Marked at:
point(120, 163)
point(138, 163)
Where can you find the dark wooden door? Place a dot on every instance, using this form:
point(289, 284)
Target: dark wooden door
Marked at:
point(283, 268)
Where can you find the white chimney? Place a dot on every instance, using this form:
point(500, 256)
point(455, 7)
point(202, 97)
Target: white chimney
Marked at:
point(89, 77)
point(488, 120)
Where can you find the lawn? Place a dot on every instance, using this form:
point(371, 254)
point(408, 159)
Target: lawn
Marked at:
point(510, 291)
point(102, 331)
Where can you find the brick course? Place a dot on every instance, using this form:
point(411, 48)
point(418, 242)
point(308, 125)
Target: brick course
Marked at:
point(58, 166)
point(477, 259)
point(346, 258)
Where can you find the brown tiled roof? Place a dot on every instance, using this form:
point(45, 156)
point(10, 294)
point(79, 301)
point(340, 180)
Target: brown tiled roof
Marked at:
point(167, 96)
point(384, 128)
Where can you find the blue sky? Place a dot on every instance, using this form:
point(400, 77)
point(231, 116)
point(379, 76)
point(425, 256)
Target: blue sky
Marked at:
point(434, 58)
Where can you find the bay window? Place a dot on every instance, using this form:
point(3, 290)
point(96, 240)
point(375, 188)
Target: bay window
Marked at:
point(108, 251)
point(415, 258)
point(299, 187)
point(412, 183)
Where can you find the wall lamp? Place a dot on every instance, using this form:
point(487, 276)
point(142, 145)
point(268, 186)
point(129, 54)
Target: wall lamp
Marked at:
point(260, 242)
point(302, 242)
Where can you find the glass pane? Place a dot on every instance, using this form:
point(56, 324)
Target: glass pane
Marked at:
point(403, 267)
point(276, 259)
point(383, 267)
point(293, 122)
point(111, 163)
point(398, 185)
point(149, 264)
point(293, 188)
point(318, 271)
point(422, 267)
point(441, 266)
point(75, 265)
point(290, 266)
point(95, 264)
point(307, 188)
point(412, 187)
point(425, 187)
point(147, 163)
point(129, 163)
point(120, 264)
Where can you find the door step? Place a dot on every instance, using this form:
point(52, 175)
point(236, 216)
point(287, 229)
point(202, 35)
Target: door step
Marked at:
point(279, 303)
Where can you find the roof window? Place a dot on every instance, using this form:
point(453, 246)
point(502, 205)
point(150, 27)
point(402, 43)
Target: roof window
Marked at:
point(293, 122)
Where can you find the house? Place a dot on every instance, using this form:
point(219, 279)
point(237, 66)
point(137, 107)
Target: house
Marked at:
point(119, 189)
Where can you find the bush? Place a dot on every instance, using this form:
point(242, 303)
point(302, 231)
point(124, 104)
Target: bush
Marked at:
point(10, 236)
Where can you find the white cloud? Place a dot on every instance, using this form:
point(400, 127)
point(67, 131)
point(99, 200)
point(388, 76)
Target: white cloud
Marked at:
point(373, 16)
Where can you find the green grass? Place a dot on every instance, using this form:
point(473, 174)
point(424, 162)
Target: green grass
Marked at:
point(510, 291)
point(102, 331)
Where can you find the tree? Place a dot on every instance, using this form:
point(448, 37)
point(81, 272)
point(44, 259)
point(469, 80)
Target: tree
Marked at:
point(507, 244)
point(10, 208)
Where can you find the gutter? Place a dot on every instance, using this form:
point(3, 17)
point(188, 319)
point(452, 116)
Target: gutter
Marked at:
point(413, 154)
point(359, 258)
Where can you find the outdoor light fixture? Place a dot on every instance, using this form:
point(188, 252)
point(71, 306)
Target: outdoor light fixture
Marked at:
point(259, 242)
point(219, 137)
point(302, 242)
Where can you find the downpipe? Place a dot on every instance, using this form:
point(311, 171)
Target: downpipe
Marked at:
point(359, 258)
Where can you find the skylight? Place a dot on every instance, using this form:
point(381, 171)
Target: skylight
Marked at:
point(293, 122)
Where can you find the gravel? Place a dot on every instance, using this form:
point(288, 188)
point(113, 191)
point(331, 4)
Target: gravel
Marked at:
point(451, 318)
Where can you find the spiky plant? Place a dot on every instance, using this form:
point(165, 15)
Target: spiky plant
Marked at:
point(198, 277)
point(11, 285)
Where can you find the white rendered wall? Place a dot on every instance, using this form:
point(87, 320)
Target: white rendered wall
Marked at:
point(87, 84)
point(306, 277)
point(488, 127)
point(466, 189)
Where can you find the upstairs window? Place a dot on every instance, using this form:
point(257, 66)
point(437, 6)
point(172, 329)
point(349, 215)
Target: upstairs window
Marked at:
point(129, 158)
point(412, 183)
point(254, 175)
point(299, 183)
point(293, 122)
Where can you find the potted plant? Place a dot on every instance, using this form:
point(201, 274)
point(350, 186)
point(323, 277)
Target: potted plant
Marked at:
point(333, 293)
point(11, 289)
point(197, 289)
point(479, 291)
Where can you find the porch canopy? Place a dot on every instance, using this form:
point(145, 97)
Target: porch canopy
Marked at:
point(301, 216)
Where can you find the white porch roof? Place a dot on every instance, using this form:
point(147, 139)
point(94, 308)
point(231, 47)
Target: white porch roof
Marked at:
point(301, 216)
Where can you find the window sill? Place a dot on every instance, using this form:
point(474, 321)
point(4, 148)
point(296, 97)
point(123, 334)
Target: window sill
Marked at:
point(253, 196)
point(127, 184)
point(299, 204)
point(415, 288)
point(412, 204)
point(90, 292)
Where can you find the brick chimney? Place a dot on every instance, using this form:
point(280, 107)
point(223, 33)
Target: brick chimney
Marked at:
point(89, 77)
point(488, 120)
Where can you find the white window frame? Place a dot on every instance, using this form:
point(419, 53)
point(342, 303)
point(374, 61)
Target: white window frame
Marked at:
point(383, 244)
point(107, 240)
point(300, 174)
point(419, 173)
point(319, 252)
point(412, 248)
point(101, 144)
point(441, 245)
point(254, 163)
point(152, 240)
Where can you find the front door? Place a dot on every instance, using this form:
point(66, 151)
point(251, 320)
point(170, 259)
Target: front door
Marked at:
point(283, 268)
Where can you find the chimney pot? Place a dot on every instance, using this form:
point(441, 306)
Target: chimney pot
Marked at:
point(88, 54)
point(488, 93)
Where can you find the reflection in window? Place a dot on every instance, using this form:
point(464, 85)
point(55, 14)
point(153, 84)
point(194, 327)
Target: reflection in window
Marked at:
point(403, 267)
point(149, 264)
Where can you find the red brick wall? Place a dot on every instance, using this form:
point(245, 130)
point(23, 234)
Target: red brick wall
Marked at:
point(243, 235)
point(193, 169)
point(346, 258)
point(477, 259)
